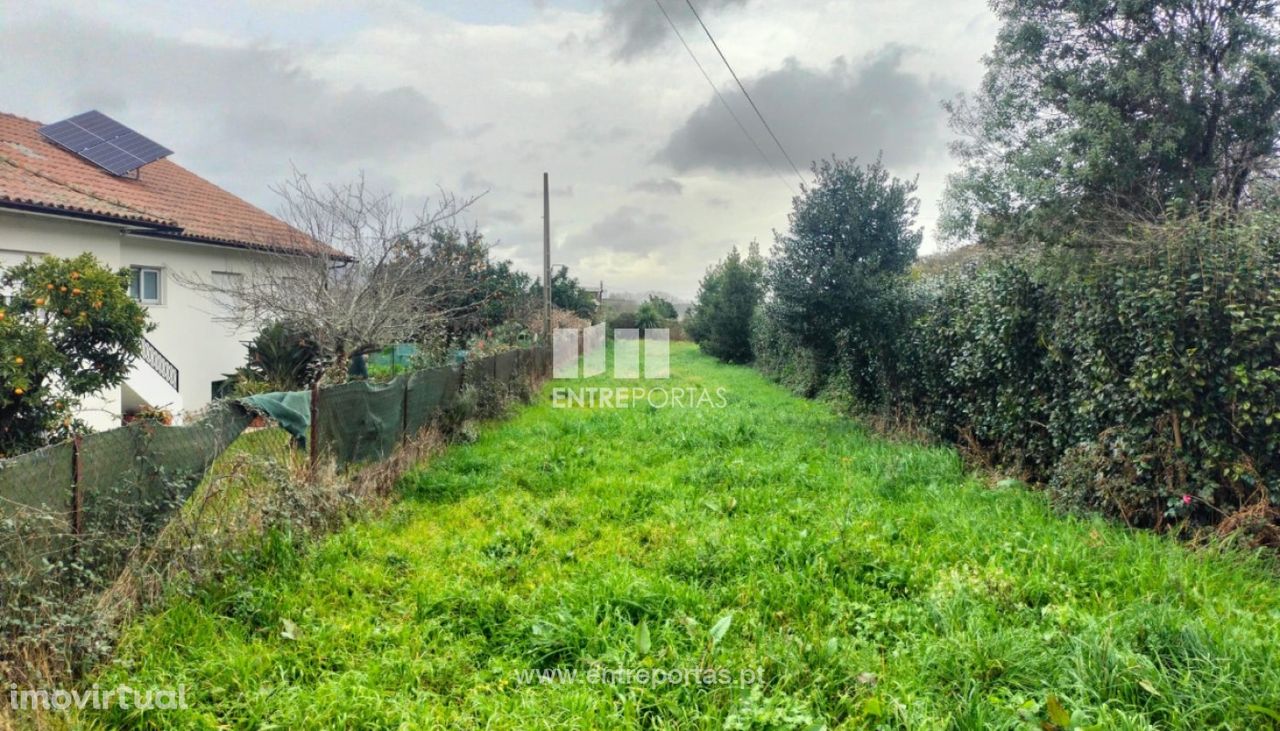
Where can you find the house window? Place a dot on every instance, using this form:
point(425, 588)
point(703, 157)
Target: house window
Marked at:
point(145, 285)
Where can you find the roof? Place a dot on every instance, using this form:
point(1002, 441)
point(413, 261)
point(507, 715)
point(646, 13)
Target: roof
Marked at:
point(166, 199)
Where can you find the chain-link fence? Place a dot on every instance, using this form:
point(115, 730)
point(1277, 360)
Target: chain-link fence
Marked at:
point(73, 515)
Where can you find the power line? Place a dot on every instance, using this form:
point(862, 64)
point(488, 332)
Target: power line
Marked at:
point(720, 96)
point(707, 30)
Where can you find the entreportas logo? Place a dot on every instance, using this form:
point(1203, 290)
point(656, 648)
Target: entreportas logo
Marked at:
point(637, 354)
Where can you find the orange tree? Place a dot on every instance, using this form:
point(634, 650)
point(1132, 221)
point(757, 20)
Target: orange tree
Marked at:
point(68, 328)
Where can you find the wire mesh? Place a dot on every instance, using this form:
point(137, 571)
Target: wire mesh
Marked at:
point(74, 515)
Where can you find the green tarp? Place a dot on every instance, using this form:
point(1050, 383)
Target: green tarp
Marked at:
point(191, 449)
point(429, 392)
point(504, 366)
point(481, 371)
point(40, 479)
point(290, 409)
point(359, 422)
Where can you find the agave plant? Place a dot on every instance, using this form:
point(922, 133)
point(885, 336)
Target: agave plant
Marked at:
point(282, 357)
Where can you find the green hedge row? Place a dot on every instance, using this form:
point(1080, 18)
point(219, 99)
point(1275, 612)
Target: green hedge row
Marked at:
point(1143, 382)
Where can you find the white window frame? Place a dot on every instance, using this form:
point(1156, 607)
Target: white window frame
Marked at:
point(139, 272)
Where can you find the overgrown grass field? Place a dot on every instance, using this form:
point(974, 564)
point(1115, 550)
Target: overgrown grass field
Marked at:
point(834, 577)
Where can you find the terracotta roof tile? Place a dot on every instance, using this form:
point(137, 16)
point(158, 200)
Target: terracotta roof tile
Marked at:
point(167, 196)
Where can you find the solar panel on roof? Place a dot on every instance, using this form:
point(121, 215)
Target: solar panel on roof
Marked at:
point(104, 142)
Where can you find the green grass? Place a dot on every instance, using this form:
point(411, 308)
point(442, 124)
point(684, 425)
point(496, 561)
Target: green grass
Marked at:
point(874, 584)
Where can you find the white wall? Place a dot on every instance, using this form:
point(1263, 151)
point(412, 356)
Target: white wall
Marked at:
point(23, 235)
point(188, 330)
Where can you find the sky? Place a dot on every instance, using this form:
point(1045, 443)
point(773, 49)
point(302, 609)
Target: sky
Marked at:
point(652, 180)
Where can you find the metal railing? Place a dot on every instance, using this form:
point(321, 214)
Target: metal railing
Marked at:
point(162, 365)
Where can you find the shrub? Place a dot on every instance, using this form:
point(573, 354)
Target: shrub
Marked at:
point(730, 293)
point(624, 320)
point(835, 278)
point(1140, 379)
point(1143, 380)
point(779, 356)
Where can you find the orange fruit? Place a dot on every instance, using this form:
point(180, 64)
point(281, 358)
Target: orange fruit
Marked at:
point(18, 392)
point(18, 359)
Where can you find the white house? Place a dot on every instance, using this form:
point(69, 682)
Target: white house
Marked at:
point(157, 218)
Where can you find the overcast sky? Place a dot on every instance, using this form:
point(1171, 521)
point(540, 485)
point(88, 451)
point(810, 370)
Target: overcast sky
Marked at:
point(652, 180)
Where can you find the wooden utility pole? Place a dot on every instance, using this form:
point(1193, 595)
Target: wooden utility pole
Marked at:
point(546, 259)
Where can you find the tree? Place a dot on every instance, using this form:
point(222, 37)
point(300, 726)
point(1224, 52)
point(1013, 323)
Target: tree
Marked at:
point(851, 233)
point(68, 329)
point(1120, 106)
point(567, 294)
point(720, 319)
point(663, 307)
point(648, 316)
point(477, 292)
point(352, 276)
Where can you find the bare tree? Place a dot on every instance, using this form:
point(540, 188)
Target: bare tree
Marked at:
point(347, 269)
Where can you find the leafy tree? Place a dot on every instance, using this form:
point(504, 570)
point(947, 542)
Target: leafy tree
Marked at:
point(852, 233)
point(68, 329)
point(476, 293)
point(664, 308)
point(567, 294)
point(1131, 106)
point(720, 319)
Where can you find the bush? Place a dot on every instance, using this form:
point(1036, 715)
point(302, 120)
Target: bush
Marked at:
point(1141, 379)
point(850, 236)
point(781, 357)
point(281, 357)
point(728, 296)
point(623, 320)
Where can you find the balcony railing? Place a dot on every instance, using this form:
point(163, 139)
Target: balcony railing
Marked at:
point(162, 365)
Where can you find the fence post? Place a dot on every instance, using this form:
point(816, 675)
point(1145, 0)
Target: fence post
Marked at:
point(404, 411)
point(313, 442)
point(77, 493)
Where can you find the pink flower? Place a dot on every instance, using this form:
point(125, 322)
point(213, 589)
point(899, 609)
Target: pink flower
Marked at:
point(1186, 499)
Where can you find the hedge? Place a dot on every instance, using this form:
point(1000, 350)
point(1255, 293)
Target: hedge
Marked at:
point(1140, 379)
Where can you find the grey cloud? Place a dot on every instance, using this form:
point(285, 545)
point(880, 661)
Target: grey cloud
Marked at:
point(636, 27)
point(628, 229)
point(589, 133)
point(472, 181)
point(564, 191)
point(846, 110)
point(659, 186)
point(504, 215)
point(235, 114)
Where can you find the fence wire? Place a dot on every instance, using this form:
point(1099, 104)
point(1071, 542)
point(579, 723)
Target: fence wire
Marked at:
point(73, 515)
